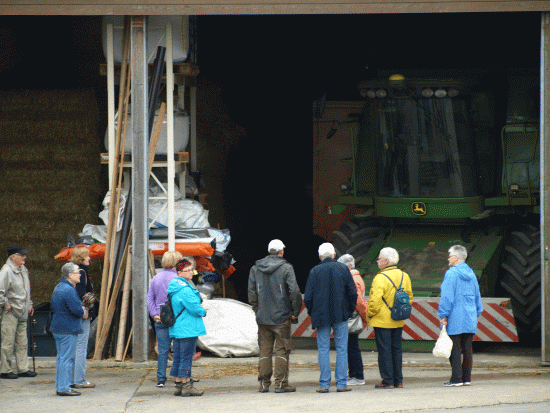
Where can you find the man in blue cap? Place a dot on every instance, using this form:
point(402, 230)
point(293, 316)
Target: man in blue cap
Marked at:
point(16, 305)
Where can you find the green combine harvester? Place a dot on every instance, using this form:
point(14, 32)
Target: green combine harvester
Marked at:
point(428, 174)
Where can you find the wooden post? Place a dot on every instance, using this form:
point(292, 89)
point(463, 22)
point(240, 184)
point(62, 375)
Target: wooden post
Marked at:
point(124, 309)
point(545, 186)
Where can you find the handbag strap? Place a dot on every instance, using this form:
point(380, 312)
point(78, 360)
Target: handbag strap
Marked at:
point(183, 308)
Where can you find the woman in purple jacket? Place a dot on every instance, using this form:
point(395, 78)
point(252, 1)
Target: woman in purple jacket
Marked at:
point(155, 298)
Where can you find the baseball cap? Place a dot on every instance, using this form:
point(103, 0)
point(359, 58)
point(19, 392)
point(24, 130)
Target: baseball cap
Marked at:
point(275, 245)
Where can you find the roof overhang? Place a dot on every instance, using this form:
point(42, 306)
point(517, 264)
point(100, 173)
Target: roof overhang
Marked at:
point(223, 7)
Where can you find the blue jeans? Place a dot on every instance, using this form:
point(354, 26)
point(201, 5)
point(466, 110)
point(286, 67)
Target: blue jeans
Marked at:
point(79, 375)
point(340, 331)
point(184, 349)
point(390, 355)
point(164, 341)
point(66, 352)
point(355, 360)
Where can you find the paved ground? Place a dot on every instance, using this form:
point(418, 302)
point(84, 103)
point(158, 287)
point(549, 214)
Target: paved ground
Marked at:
point(501, 382)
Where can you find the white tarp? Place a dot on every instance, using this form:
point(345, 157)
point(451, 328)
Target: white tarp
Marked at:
point(231, 329)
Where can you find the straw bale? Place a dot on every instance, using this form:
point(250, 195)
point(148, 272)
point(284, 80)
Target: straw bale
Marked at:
point(50, 176)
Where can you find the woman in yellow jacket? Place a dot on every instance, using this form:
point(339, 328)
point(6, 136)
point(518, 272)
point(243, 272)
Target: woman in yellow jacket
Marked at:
point(388, 332)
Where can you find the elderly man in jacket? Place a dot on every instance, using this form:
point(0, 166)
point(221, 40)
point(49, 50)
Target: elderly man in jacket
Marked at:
point(459, 307)
point(16, 305)
point(388, 332)
point(330, 299)
point(276, 299)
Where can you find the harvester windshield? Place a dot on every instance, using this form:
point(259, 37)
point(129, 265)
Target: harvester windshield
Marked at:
point(423, 146)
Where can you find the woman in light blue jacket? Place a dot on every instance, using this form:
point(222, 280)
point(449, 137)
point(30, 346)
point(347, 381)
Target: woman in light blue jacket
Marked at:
point(459, 307)
point(186, 301)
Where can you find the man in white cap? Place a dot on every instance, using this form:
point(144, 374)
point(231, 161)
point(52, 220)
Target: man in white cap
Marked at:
point(16, 305)
point(330, 299)
point(276, 299)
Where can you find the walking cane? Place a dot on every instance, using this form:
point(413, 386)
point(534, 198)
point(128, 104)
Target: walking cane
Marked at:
point(32, 343)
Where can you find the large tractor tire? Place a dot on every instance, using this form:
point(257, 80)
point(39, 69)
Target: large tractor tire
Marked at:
point(522, 280)
point(356, 237)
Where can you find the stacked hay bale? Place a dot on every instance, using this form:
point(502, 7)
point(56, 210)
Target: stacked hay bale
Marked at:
point(49, 176)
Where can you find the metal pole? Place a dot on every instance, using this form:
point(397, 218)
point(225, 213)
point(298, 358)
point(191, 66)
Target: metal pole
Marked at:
point(545, 185)
point(170, 138)
point(110, 102)
point(140, 171)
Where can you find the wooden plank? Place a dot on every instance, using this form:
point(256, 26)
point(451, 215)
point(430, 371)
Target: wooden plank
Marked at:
point(179, 157)
point(183, 69)
point(222, 7)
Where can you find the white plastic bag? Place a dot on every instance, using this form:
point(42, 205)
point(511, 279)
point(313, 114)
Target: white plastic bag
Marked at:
point(443, 345)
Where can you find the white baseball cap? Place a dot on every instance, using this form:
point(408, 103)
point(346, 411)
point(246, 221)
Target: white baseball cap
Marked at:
point(275, 245)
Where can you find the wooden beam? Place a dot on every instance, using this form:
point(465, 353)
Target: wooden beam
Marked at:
point(222, 7)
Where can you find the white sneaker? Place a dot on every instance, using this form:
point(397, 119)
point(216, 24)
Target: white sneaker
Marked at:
point(355, 382)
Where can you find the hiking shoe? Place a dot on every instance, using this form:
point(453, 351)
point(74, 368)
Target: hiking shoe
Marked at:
point(188, 390)
point(10, 375)
point(322, 390)
point(342, 389)
point(467, 383)
point(355, 382)
point(398, 385)
point(27, 374)
point(450, 384)
point(285, 389)
point(68, 393)
point(160, 384)
point(383, 385)
point(86, 385)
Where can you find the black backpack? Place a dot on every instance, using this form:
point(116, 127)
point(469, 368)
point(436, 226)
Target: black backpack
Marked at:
point(401, 309)
point(167, 316)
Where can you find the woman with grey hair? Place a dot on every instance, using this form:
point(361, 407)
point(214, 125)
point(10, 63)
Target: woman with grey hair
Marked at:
point(355, 360)
point(68, 313)
point(459, 307)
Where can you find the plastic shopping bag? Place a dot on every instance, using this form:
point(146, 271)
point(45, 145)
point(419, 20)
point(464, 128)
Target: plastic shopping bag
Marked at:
point(443, 345)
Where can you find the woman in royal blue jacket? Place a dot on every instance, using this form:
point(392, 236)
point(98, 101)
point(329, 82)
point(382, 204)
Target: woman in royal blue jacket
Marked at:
point(459, 307)
point(68, 312)
point(186, 301)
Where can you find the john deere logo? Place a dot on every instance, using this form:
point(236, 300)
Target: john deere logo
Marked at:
point(418, 208)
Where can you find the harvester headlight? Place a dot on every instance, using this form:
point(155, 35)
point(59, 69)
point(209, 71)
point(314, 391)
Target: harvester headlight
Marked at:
point(371, 94)
point(344, 187)
point(363, 92)
point(514, 187)
point(428, 92)
point(440, 93)
point(381, 93)
point(453, 92)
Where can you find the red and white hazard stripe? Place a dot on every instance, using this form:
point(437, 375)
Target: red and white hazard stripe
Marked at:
point(496, 323)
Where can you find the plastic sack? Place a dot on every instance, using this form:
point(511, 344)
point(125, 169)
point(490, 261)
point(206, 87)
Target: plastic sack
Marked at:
point(355, 324)
point(231, 329)
point(443, 345)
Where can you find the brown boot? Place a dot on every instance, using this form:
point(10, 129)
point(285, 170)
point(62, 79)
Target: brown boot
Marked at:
point(188, 390)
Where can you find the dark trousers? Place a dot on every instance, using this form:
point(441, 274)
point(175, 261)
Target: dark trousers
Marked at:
point(355, 360)
point(390, 354)
point(461, 358)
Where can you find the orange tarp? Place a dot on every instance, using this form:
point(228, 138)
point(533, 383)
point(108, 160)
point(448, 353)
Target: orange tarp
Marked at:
point(198, 250)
